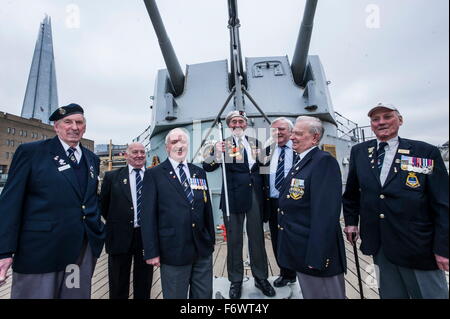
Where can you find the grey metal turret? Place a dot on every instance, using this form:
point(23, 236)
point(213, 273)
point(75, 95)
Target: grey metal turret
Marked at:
point(266, 87)
point(173, 66)
point(302, 47)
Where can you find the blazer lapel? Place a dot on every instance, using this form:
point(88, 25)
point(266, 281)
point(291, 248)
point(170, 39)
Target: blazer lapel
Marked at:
point(173, 178)
point(297, 168)
point(125, 175)
point(371, 156)
point(395, 167)
point(61, 160)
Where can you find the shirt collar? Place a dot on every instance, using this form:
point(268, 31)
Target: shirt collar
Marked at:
point(304, 153)
point(392, 142)
point(236, 138)
point(288, 145)
point(175, 163)
point(131, 168)
point(66, 146)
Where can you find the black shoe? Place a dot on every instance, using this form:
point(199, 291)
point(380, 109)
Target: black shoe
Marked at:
point(265, 287)
point(235, 290)
point(282, 281)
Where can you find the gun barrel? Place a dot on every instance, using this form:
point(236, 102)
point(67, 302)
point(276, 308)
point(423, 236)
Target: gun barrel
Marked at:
point(173, 66)
point(302, 47)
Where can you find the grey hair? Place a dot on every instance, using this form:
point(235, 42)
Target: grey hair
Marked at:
point(315, 125)
point(180, 129)
point(286, 120)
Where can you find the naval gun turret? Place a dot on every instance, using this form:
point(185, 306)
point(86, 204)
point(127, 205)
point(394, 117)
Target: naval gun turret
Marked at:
point(264, 87)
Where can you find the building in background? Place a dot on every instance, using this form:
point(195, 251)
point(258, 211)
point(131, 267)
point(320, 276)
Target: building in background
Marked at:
point(41, 95)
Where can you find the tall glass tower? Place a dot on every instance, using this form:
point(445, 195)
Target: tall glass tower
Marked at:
point(41, 96)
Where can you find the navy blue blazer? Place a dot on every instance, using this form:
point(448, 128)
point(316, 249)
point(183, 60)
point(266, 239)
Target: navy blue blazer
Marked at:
point(240, 179)
point(171, 227)
point(309, 230)
point(118, 211)
point(44, 215)
point(411, 224)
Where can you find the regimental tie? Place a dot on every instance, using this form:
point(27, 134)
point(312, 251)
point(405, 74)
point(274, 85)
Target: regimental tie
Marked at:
point(279, 176)
point(71, 155)
point(380, 156)
point(185, 184)
point(138, 195)
point(296, 158)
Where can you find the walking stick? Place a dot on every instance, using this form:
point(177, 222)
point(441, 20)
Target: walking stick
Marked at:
point(224, 172)
point(358, 272)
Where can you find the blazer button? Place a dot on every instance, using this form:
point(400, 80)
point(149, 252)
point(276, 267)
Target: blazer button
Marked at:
point(193, 225)
point(84, 217)
point(132, 208)
point(83, 207)
point(278, 210)
point(382, 196)
point(381, 216)
point(250, 185)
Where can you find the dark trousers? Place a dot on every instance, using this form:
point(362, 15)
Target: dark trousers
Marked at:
point(119, 267)
point(256, 246)
point(273, 225)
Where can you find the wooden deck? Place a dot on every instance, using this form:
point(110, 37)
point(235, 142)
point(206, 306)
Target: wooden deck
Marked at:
point(100, 289)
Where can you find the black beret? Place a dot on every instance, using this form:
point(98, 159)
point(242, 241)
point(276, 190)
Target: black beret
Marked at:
point(64, 111)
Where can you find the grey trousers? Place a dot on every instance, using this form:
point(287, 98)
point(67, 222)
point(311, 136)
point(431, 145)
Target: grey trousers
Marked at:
point(256, 245)
point(398, 282)
point(195, 280)
point(322, 287)
point(73, 283)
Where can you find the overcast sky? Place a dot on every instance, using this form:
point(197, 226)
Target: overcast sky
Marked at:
point(107, 59)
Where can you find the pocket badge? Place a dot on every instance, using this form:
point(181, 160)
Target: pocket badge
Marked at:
point(412, 180)
point(296, 192)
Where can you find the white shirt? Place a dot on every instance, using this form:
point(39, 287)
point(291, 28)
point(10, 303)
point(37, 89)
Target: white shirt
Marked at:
point(391, 150)
point(288, 158)
point(250, 158)
point(132, 180)
point(177, 170)
point(78, 153)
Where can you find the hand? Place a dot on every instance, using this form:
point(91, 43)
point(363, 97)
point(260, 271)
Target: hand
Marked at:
point(442, 262)
point(5, 263)
point(349, 230)
point(153, 261)
point(220, 147)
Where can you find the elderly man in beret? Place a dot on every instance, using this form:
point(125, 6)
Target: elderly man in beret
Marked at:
point(245, 192)
point(50, 229)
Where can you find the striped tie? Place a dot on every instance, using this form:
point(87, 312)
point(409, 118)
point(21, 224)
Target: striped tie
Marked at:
point(71, 155)
point(380, 157)
point(279, 176)
point(138, 195)
point(296, 159)
point(185, 184)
